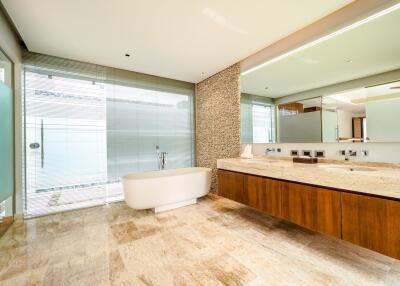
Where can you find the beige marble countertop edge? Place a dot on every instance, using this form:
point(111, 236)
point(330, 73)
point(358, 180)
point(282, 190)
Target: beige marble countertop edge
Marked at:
point(383, 181)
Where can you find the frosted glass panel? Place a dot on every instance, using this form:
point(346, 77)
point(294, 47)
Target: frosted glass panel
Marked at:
point(140, 119)
point(383, 117)
point(300, 128)
point(6, 143)
point(329, 126)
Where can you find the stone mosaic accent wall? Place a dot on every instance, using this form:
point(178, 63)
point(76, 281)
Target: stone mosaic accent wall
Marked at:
point(218, 119)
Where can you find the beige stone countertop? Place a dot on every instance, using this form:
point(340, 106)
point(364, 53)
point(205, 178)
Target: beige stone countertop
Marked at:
point(378, 179)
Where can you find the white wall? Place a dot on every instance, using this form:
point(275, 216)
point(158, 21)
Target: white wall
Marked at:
point(345, 122)
point(345, 119)
point(9, 42)
point(378, 152)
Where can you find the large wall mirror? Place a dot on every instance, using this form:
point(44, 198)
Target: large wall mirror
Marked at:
point(345, 88)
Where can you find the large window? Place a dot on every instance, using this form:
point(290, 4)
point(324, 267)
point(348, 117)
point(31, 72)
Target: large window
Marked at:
point(84, 132)
point(257, 120)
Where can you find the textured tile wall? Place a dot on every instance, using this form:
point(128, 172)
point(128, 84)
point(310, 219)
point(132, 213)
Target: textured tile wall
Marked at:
point(218, 118)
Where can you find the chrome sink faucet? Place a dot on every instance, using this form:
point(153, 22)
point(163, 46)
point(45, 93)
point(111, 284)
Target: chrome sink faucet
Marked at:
point(269, 150)
point(161, 158)
point(349, 154)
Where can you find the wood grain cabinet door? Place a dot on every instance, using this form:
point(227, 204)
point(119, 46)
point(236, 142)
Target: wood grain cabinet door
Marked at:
point(314, 208)
point(230, 185)
point(264, 194)
point(372, 222)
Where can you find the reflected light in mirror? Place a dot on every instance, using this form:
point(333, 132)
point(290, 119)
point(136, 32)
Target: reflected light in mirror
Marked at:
point(326, 37)
point(367, 94)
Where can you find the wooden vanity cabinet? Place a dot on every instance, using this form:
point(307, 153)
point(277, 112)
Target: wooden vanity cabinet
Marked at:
point(372, 222)
point(368, 221)
point(231, 186)
point(312, 207)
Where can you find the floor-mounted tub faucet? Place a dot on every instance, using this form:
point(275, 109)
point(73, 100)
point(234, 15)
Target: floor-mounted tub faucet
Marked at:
point(161, 158)
point(269, 150)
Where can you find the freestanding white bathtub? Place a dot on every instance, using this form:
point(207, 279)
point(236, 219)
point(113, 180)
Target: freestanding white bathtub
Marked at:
point(166, 189)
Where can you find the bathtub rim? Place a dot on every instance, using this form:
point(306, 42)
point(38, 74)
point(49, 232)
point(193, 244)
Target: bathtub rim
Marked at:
point(149, 175)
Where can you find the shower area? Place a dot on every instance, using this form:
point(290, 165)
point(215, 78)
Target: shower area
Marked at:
point(85, 126)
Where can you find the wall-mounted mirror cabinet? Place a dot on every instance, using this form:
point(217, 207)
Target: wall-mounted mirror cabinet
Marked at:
point(345, 88)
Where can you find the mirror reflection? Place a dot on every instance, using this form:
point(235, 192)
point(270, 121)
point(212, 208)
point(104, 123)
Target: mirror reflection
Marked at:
point(362, 115)
point(300, 121)
point(343, 89)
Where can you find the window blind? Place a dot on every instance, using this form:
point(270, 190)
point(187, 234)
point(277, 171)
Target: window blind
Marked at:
point(88, 125)
point(257, 119)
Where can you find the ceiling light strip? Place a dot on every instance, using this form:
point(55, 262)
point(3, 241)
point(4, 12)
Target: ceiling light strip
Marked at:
point(326, 37)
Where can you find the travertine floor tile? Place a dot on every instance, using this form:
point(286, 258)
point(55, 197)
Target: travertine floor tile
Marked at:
point(215, 242)
point(393, 277)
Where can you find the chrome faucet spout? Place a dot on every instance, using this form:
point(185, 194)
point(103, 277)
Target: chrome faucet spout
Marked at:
point(163, 160)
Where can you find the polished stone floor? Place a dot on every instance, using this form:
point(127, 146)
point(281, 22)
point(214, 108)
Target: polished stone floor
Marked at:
point(216, 242)
point(46, 202)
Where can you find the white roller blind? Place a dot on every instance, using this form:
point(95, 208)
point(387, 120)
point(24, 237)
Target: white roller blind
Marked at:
point(75, 69)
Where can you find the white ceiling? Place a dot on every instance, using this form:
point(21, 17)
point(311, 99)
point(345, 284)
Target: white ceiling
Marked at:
point(179, 39)
point(366, 50)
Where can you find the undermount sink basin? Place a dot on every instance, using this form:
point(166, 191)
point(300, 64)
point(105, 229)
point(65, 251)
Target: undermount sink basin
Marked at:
point(347, 168)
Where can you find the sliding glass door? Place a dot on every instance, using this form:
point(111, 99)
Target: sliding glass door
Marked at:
point(65, 132)
point(83, 134)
